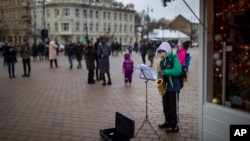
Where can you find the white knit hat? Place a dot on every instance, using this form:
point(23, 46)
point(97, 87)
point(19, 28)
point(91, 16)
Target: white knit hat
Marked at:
point(165, 46)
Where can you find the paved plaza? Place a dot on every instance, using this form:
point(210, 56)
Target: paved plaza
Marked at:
point(58, 105)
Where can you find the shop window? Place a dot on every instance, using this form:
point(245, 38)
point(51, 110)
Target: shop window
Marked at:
point(231, 54)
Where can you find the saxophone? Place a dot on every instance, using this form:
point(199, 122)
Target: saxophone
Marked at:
point(159, 82)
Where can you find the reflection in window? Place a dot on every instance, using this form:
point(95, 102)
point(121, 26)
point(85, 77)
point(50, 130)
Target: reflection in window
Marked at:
point(233, 31)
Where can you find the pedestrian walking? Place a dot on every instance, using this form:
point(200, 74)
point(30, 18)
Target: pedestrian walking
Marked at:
point(143, 51)
point(128, 68)
point(71, 53)
point(79, 53)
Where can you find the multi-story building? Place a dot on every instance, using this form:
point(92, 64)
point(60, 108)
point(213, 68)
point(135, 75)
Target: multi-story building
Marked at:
point(188, 27)
point(15, 20)
point(75, 19)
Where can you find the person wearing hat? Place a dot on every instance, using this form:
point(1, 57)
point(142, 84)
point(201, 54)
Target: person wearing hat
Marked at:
point(170, 69)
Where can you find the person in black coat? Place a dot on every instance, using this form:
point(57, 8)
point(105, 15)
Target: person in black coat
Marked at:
point(97, 75)
point(10, 58)
point(143, 50)
point(90, 61)
point(79, 53)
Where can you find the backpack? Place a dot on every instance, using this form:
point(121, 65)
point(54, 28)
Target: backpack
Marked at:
point(105, 51)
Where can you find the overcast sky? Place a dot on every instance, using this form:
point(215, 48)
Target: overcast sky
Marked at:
point(172, 10)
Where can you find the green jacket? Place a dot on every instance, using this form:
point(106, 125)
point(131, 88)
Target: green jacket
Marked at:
point(25, 52)
point(171, 69)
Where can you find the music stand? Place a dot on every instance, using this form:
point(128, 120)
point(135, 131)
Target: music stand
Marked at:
point(144, 72)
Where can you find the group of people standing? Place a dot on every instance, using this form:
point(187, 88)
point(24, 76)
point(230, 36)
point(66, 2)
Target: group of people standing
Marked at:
point(9, 54)
point(96, 56)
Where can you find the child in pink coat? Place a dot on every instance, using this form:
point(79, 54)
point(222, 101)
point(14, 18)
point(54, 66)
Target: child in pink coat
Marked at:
point(128, 68)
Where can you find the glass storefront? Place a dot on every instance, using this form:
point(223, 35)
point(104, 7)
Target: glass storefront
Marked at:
point(231, 54)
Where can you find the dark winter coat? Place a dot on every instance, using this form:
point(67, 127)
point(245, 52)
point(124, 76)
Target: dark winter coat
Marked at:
point(79, 52)
point(10, 54)
point(103, 61)
point(89, 57)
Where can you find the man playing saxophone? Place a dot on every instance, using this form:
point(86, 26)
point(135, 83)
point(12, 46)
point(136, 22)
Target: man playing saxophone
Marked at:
point(170, 69)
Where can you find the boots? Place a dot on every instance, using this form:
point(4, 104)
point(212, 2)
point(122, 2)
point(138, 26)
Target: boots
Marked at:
point(103, 78)
point(51, 65)
point(109, 79)
point(56, 63)
point(13, 74)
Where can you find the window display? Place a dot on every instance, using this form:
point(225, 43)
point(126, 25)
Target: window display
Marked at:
point(231, 54)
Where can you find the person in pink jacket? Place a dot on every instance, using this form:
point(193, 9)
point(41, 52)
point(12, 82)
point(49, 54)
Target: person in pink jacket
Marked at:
point(182, 52)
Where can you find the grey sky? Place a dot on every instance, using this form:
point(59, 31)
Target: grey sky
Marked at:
point(172, 10)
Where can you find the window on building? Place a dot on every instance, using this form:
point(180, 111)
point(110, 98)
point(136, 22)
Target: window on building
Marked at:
point(125, 17)
point(91, 27)
point(77, 13)
point(48, 26)
point(65, 26)
point(96, 14)
point(131, 18)
point(125, 28)
point(47, 13)
point(97, 27)
point(91, 14)
point(104, 27)
point(85, 27)
point(108, 15)
point(115, 28)
point(109, 27)
point(120, 17)
point(56, 13)
point(131, 29)
point(115, 16)
point(56, 27)
point(104, 15)
point(77, 27)
point(120, 28)
point(231, 59)
point(66, 12)
point(85, 14)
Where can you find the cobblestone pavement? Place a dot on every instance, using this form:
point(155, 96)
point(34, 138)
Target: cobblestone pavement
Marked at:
point(58, 105)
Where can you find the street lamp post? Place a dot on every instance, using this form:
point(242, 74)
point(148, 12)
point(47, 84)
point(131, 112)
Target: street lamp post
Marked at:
point(44, 22)
point(148, 21)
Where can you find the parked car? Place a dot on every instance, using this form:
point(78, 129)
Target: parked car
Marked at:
point(195, 44)
point(61, 48)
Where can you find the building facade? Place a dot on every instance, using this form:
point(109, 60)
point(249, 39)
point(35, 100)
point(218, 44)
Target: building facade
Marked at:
point(224, 95)
point(189, 28)
point(15, 24)
point(73, 20)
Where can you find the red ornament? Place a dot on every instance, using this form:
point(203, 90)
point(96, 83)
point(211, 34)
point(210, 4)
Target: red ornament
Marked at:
point(240, 65)
point(217, 46)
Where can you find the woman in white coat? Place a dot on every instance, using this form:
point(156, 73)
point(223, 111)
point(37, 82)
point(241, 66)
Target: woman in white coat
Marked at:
point(53, 53)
